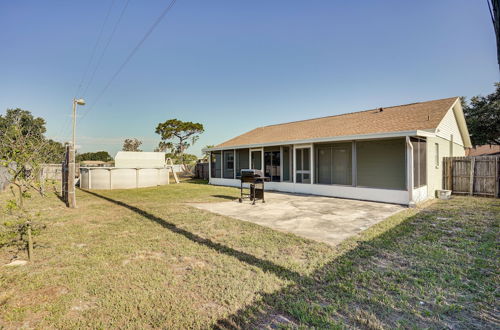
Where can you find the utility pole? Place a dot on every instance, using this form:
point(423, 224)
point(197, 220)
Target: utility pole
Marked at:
point(72, 162)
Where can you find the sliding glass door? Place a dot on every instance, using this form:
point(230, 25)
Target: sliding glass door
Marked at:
point(272, 164)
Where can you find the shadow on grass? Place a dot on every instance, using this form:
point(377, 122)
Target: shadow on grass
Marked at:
point(265, 265)
point(195, 181)
point(233, 198)
point(361, 286)
point(58, 195)
point(359, 289)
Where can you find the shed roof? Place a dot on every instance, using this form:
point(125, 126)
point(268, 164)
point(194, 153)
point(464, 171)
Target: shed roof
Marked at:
point(408, 117)
point(143, 155)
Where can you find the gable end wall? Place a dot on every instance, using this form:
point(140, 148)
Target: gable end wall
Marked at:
point(448, 127)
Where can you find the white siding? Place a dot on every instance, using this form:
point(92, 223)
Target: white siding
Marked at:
point(449, 127)
point(132, 159)
point(435, 173)
point(122, 178)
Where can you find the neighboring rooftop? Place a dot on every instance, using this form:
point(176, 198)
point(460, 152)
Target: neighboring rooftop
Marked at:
point(408, 117)
point(485, 150)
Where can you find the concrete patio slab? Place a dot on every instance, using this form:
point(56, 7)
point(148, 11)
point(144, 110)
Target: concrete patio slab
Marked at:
point(326, 219)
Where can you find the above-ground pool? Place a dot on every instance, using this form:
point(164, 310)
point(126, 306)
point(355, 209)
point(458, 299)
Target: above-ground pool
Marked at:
point(122, 178)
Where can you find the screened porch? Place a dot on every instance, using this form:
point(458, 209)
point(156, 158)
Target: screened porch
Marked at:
point(362, 169)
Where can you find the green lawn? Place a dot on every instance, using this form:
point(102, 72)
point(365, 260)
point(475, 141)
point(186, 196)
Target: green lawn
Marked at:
point(145, 258)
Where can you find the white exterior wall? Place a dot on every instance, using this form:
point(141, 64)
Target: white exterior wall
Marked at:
point(420, 194)
point(448, 129)
point(435, 171)
point(132, 159)
point(122, 178)
point(369, 194)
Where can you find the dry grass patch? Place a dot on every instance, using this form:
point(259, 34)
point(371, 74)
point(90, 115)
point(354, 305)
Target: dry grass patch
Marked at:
point(145, 259)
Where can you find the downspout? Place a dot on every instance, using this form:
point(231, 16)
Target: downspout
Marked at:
point(209, 167)
point(411, 203)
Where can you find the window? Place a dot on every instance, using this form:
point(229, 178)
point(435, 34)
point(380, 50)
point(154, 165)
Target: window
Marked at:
point(381, 164)
point(334, 163)
point(436, 155)
point(216, 164)
point(419, 162)
point(303, 160)
point(241, 161)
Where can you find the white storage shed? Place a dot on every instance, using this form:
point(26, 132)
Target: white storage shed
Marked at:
point(133, 159)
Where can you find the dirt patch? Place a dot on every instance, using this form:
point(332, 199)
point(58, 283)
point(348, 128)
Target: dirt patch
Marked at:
point(41, 296)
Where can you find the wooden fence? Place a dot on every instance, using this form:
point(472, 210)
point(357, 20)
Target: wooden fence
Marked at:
point(477, 176)
point(201, 171)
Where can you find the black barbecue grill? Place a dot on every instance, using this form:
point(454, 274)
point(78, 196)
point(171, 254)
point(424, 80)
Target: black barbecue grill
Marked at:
point(256, 180)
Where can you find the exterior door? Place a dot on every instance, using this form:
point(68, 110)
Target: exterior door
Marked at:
point(272, 166)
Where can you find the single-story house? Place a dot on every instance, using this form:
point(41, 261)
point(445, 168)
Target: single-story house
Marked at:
point(391, 154)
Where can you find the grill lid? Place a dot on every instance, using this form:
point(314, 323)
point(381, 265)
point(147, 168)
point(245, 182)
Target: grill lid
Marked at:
point(251, 173)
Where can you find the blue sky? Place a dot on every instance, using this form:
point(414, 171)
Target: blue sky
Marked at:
point(236, 65)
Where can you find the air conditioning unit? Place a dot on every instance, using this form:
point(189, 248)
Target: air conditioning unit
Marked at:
point(443, 194)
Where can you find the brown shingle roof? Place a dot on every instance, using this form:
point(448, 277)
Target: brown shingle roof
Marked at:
point(484, 150)
point(408, 117)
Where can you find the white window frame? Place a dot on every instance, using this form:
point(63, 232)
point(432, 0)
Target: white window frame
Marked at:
point(311, 163)
point(261, 157)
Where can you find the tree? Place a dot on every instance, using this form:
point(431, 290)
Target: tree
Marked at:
point(54, 152)
point(184, 134)
point(29, 126)
point(99, 155)
point(23, 150)
point(206, 154)
point(482, 114)
point(131, 145)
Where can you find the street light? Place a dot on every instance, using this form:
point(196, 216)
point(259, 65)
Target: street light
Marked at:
point(75, 102)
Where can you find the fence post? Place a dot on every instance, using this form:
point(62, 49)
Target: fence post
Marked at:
point(471, 180)
point(64, 188)
point(71, 178)
point(449, 166)
point(42, 180)
point(497, 179)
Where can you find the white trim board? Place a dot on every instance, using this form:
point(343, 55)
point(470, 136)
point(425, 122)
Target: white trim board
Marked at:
point(359, 193)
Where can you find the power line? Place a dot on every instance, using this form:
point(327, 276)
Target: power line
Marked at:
point(95, 48)
point(105, 48)
point(132, 53)
point(65, 126)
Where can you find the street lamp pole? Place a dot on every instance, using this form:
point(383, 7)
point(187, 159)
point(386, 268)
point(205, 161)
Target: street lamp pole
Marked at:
point(72, 162)
point(75, 102)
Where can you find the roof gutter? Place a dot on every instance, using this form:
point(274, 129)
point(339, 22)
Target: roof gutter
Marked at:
point(422, 133)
